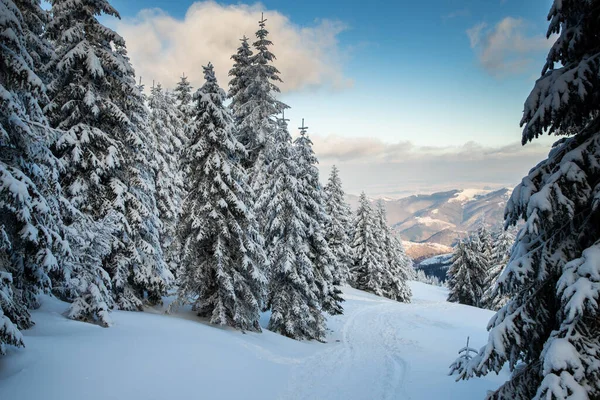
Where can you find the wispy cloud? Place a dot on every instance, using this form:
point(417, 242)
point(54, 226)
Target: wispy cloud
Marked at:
point(506, 48)
point(404, 168)
point(163, 47)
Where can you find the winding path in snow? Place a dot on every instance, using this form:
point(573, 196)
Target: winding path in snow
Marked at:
point(366, 363)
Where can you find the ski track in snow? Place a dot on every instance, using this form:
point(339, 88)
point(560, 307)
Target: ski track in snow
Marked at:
point(367, 363)
point(378, 350)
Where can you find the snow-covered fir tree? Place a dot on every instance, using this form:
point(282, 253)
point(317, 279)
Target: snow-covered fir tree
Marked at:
point(397, 265)
point(238, 87)
point(168, 132)
point(322, 258)
point(468, 272)
point(502, 244)
point(338, 226)
point(32, 245)
point(548, 331)
point(185, 104)
point(223, 263)
point(39, 48)
point(149, 275)
point(104, 149)
point(294, 296)
point(256, 106)
point(367, 272)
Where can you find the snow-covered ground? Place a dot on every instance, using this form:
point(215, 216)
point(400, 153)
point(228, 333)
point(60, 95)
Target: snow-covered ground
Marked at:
point(379, 349)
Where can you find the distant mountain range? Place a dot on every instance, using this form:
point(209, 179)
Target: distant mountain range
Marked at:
point(442, 218)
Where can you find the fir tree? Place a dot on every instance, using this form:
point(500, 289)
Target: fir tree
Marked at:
point(322, 258)
point(167, 131)
point(294, 297)
point(103, 145)
point(240, 80)
point(184, 102)
point(548, 331)
point(502, 244)
point(256, 105)
point(397, 265)
point(367, 272)
point(35, 20)
point(467, 274)
point(149, 275)
point(223, 261)
point(338, 227)
point(32, 246)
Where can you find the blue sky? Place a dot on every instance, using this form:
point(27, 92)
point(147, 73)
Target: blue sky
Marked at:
point(440, 73)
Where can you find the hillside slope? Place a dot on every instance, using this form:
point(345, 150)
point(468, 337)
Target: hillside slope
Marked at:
point(379, 349)
point(444, 217)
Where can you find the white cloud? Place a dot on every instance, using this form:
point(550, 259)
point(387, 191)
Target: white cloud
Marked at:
point(162, 47)
point(403, 168)
point(506, 48)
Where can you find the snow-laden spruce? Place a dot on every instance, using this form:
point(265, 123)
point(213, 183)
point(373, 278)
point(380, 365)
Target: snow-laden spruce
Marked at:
point(253, 99)
point(468, 272)
point(32, 247)
point(168, 131)
point(240, 74)
point(323, 259)
point(398, 267)
point(148, 276)
point(105, 151)
point(294, 296)
point(338, 227)
point(184, 103)
point(502, 243)
point(379, 264)
point(548, 331)
point(367, 272)
point(223, 262)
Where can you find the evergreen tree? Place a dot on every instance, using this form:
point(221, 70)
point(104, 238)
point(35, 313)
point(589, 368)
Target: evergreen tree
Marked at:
point(397, 265)
point(149, 275)
point(240, 80)
point(167, 131)
point(338, 227)
point(502, 244)
point(223, 261)
point(367, 272)
point(32, 245)
point(35, 20)
point(256, 105)
point(548, 331)
point(185, 105)
point(104, 148)
point(294, 296)
point(322, 258)
point(467, 274)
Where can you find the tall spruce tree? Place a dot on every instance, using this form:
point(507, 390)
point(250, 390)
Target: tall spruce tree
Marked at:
point(256, 105)
point(167, 131)
point(397, 265)
point(32, 247)
point(240, 80)
point(468, 272)
point(294, 295)
point(367, 272)
point(548, 332)
point(323, 259)
point(185, 104)
point(502, 245)
point(104, 149)
point(223, 264)
point(338, 227)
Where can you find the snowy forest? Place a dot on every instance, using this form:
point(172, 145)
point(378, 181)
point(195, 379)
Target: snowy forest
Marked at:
point(111, 198)
point(116, 195)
